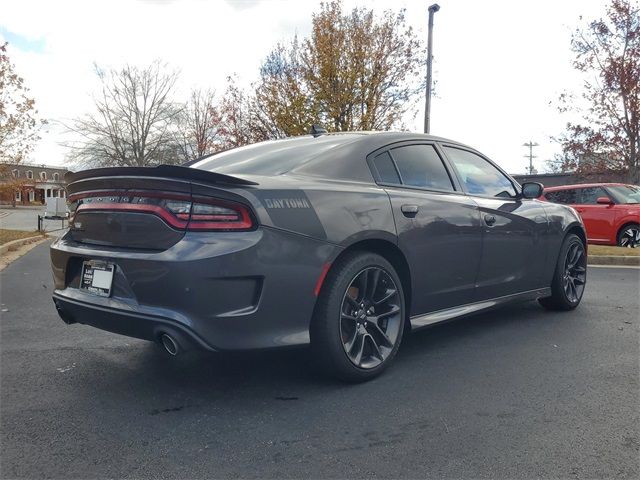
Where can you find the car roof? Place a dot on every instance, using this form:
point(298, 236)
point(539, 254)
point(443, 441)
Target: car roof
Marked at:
point(581, 185)
point(328, 155)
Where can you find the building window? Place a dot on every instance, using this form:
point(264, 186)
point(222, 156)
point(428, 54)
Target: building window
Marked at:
point(32, 196)
point(16, 173)
point(56, 177)
point(29, 174)
point(18, 196)
point(43, 175)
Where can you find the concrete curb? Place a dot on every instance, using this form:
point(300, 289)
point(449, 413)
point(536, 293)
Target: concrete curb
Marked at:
point(612, 260)
point(5, 247)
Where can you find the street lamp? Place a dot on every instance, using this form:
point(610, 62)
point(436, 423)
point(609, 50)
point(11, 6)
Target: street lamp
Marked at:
point(427, 105)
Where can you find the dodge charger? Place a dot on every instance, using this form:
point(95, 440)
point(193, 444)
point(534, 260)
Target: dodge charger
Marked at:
point(342, 241)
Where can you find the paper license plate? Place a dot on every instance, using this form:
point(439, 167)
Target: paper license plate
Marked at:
point(97, 277)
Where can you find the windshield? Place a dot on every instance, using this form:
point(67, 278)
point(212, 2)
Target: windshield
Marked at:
point(625, 193)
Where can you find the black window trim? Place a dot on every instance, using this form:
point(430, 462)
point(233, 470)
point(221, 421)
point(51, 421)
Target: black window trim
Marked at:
point(387, 149)
point(516, 186)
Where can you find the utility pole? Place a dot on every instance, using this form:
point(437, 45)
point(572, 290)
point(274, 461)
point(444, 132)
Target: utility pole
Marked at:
point(531, 156)
point(427, 105)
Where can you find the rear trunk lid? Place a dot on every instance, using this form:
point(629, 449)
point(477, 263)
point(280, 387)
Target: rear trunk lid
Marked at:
point(146, 208)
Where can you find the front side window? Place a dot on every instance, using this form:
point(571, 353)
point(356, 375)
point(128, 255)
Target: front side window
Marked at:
point(56, 177)
point(478, 176)
point(16, 173)
point(626, 194)
point(29, 174)
point(43, 175)
point(421, 166)
point(591, 194)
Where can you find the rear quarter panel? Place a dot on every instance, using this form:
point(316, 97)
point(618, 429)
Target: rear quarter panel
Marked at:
point(336, 212)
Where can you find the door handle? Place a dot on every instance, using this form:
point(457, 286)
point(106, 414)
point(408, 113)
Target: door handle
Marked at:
point(409, 211)
point(489, 220)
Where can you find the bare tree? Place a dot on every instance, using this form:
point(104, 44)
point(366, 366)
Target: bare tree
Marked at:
point(133, 121)
point(197, 130)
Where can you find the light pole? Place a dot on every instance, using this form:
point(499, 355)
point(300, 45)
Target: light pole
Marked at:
point(427, 104)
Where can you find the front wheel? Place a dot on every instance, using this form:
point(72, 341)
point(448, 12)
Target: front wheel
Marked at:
point(359, 319)
point(570, 276)
point(629, 236)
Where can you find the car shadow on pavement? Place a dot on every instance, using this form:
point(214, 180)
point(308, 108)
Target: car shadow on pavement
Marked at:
point(143, 368)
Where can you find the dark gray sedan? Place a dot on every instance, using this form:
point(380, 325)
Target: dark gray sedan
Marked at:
point(343, 241)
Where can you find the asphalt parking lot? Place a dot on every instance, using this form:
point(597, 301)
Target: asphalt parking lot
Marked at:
point(516, 393)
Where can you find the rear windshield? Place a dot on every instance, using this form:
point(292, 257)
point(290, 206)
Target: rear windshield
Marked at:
point(273, 157)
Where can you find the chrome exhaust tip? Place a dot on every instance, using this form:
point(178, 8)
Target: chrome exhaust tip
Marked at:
point(169, 344)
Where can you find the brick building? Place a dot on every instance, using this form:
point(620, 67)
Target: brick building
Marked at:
point(35, 183)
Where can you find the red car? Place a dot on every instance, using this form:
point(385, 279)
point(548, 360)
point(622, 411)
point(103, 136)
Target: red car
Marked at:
point(610, 211)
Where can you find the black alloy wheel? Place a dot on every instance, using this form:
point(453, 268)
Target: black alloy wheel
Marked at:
point(359, 318)
point(575, 272)
point(370, 319)
point(569, 277)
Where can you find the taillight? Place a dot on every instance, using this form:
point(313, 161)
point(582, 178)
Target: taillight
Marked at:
point(214, 214)
point(177, 210)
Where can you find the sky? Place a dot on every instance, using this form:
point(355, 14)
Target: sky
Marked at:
point(499, 65)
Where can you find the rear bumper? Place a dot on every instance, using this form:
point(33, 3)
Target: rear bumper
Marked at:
point(131, 324)
point(216, 291)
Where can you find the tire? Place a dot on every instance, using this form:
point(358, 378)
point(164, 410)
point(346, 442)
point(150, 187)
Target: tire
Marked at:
point(569, 277)
point(629, 236)
point(359, 319)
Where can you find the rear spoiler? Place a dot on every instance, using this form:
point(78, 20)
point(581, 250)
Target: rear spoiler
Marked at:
point(164, 171)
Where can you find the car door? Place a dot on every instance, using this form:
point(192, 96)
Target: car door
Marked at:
point(599, 219)
point(514, 249)
point(438, 227)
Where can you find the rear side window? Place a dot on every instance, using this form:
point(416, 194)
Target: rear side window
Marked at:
point(591, 194)
point(568, 197)
point(421, 166)
point(479, 176)
point(386, 170)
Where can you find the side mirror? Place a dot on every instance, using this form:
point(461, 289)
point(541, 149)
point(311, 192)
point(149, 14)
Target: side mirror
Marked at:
point(604, 201)
point(532, 189)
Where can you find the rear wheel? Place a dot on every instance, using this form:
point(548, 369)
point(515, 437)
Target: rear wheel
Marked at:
point(629, 236)
point(570, 276)
point(359, 320)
